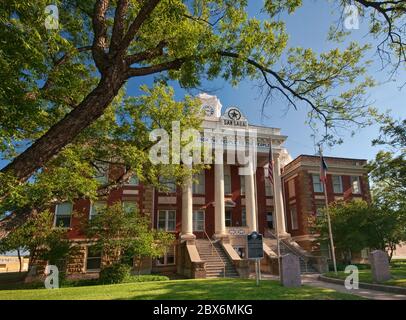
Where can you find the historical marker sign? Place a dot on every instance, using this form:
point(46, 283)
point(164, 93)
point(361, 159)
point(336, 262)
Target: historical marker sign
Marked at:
point(255, 249)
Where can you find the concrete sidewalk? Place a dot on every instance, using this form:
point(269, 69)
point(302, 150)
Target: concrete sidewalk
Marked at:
point(312, 280)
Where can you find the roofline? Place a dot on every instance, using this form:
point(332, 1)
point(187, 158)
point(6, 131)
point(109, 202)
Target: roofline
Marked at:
point(326, 157)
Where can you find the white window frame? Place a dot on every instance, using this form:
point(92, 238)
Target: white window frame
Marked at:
point(166, 211)
point(165, 256)
point(92, 206)
point(317, 182)
point(199, 183)
point(195, 221)
point(294, 220)
point(231, 217)
point(358, 180)
point(339, 179)
point(169, 182)
point(56, 213)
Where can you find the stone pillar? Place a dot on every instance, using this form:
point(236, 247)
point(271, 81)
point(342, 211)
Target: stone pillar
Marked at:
point(187, 210)
point(278, 196)
point(250, 201)
point(219, 210)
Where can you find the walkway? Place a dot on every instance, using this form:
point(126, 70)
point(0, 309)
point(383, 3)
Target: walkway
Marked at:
point(312, 280)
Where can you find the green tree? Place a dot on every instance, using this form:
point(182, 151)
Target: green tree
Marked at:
point(357, 225)
point(120, 234)
point(60, 88)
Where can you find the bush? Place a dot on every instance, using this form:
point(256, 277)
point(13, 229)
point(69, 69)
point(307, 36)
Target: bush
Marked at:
point(115, 273)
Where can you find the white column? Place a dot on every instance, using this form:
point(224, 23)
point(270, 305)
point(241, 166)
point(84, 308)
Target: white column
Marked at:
point(219, 210)
point(250, 202)
point(187, 210)
point(278, 196)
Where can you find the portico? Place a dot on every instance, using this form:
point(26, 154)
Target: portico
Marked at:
point(250, 205)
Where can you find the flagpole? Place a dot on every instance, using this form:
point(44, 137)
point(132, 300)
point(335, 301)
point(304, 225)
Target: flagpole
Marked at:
point(330, 231)
point(278, 249)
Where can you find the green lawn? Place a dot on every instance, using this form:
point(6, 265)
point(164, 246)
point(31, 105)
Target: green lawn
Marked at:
point(213, 289)
point(398, 272)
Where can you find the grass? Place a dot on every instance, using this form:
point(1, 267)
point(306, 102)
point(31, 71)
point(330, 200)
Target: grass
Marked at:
point(207, 289)
point(398, 272)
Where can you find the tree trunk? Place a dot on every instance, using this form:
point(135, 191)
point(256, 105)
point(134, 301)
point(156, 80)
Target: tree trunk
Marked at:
point(64, 131)
point(57, 137)
point(19, 260)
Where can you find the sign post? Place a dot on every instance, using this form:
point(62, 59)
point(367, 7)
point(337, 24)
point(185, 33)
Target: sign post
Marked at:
point(255, 251)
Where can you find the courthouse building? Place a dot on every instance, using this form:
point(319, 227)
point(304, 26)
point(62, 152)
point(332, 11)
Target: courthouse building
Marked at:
point(212, 214)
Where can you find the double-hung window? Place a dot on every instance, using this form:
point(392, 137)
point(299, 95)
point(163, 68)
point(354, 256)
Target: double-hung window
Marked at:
point(337, 184)
point(198, 220)
point(229, 217)
point(63, 214)
point(355, 185)
point(102, 170)
point(96, 208)
point(129, 206)
point(167, 220)
point(243, 217)
point(199, 183)
point(168, 258)
point(169, 184)
point(268, 188)
point(242, 185)
point(317, 185)
point(93, 259)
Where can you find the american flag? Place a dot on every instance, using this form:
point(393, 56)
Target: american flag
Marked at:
point(323, 169)
point(270, 163)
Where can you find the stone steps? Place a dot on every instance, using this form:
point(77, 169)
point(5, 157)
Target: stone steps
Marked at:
point(216, 261)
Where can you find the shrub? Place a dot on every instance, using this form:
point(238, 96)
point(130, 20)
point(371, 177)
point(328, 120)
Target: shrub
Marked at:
point(145, 278)
point(115, 273)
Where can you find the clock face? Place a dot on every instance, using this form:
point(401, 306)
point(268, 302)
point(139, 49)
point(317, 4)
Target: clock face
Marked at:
point(208, 110)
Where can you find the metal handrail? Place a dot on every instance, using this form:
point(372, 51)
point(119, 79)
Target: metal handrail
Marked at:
point(213, 249)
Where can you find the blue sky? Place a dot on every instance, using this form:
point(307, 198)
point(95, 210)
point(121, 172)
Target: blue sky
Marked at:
point(308, 27)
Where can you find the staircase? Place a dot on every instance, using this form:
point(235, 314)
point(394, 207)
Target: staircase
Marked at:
point(217, 261)
point(305, 267)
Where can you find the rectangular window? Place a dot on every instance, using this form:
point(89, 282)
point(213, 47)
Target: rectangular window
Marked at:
point(293, 219)
point(268, 188)
point(198, 220)
point(168, 258)
point(133, 181)
point(242, 185)
point(96, 208)
point(243, 217)
point(291, 188)
point(227, 180)
point(63, 214)
point(199, 183)
point(93, 259)
point(337, 184)
point(102, 171)
point(317, 185)
point(167, 220)
point(355, 185)
point(169, 184)
point(269, 220)
point(229, 215)
point(130, 206)
point(320, 210)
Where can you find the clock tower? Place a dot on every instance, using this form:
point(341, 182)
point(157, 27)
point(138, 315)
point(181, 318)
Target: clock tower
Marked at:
point(211, 106)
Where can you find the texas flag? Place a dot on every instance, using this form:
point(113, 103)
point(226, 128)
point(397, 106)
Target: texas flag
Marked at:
point(323, 170)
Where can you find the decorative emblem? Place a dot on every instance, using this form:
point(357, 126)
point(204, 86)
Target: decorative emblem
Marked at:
point(234, 114)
